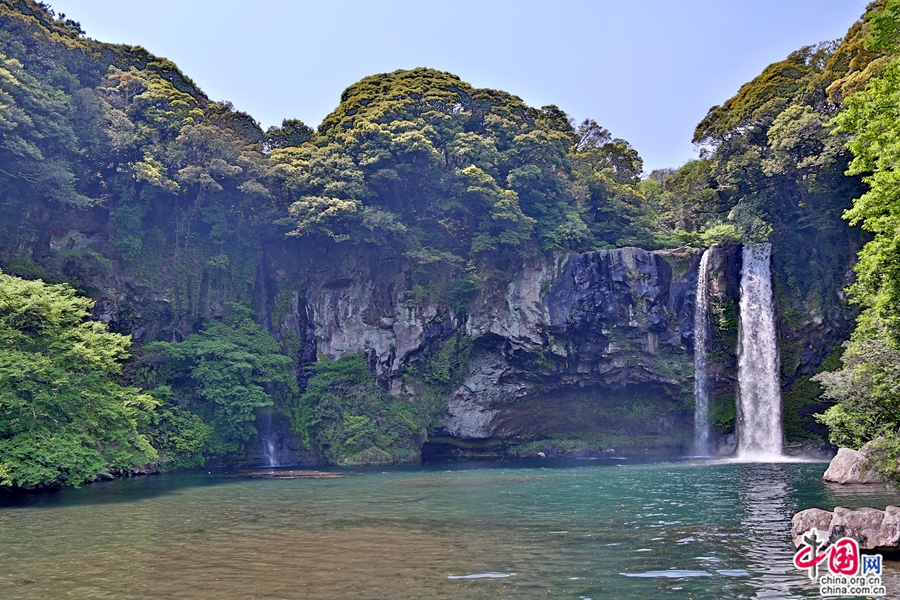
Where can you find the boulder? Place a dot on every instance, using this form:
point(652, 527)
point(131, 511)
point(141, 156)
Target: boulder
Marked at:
point(874, 529)
point(890, 528)
point(149, 469)
point(808, 519)
point(851, 466)
point(863, 525)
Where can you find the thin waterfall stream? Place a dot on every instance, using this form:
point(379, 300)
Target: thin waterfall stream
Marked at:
point(267, 437)
point(701, 348)
point(759, 386)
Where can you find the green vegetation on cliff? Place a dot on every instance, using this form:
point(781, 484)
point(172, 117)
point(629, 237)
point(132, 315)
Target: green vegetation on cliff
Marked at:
point(450, 173)
point(216, 382)
point(354, 421)
point(108, 130)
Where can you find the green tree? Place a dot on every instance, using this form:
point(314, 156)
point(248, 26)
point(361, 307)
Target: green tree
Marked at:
point(871, 117)
point(64, 417)
point(224, 374)
point(865, 389)
point(293, 132)
point(422, 160)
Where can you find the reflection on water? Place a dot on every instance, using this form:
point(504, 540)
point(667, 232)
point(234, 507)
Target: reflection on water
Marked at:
point(765, 500)
point(711, 530)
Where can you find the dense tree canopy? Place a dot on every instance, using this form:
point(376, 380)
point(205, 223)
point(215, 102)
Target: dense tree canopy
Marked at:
point(423, 160)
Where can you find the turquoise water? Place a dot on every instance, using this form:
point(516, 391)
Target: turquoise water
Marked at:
point(579, 529)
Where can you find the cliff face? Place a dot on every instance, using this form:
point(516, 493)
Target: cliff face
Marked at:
point(609, 325)
point(596, 345)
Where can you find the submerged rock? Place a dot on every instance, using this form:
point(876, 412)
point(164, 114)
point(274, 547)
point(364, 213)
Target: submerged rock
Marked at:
point(851, 466)
point(874, 529)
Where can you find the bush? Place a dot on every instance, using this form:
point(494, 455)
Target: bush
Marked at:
point(220, 377)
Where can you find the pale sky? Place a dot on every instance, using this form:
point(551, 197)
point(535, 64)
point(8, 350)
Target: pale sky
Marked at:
point(646, 70)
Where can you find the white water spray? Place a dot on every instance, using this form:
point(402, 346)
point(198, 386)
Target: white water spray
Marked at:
point(759, 386)
point(701, 345)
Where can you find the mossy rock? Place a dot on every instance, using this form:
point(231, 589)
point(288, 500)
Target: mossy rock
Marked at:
point(370, 457)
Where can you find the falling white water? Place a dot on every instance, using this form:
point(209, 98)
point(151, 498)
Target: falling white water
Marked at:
point(759, 386)
point(271, 460)
point(701, 343)
point(266, 436)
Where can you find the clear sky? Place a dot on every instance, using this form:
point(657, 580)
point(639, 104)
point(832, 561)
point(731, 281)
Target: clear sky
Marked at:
point(647, 70)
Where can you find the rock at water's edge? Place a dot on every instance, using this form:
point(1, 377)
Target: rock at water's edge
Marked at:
point(808, 519)
point(872, 528)
point(851, 466)
point(863, 525)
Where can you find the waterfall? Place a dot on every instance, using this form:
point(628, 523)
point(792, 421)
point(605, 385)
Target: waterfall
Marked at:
point(266, 436)
point(271, 460)
point(759, 385)
point(701, 345)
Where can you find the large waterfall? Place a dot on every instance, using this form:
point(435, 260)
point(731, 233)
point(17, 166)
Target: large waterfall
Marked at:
point(759, 389)
point(701, 344)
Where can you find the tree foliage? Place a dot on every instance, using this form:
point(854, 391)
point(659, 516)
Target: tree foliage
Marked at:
point(114, 129)
point(217, 380)
point(64, 417)
point(865, 389)
point(353, 421)
point(422, 160)
point(872, 119)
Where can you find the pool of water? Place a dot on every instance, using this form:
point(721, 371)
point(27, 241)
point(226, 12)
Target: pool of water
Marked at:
point(577, 529)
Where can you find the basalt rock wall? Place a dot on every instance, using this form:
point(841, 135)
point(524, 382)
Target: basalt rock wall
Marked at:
point(597, 345)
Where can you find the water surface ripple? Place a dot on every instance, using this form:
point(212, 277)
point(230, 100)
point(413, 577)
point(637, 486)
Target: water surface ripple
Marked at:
point(596, 530)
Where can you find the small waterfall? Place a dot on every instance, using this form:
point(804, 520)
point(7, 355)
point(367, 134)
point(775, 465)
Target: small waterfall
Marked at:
point(271, 460)
point(759, 385)
point(701, 346)
point(267, 438)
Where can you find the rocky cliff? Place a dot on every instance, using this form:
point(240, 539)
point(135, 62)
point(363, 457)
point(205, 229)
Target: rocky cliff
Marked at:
point(573, 352)
point(438, 254)
point(596, 347)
